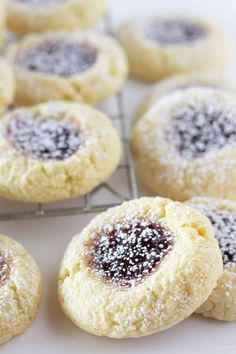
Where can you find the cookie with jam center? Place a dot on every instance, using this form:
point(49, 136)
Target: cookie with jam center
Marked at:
point(54, 151)
point(139, 268)
point(221, 304)
point(161, 46)
point(185, 144)
point(25, 16)
point(7, 85)
point(182, 82)
point(73, 66)
point(20, 288)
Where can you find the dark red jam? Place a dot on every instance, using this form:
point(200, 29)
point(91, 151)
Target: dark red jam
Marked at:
point(49, 139)
point(64, 57)
point(128, 252)
point(196, 131)
point(175, 31)
point(4, 270)
point(41, 3)
point(224, 223)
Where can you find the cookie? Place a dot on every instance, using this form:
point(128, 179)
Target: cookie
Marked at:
point(185, 145)
point(139, 268)
point(161, 46)
point(2, 21)
point(182, 82)
point(26, 16)
point(20, 288)
point(7, 85)
point(221, 304)
point(55, 151)
point(71, 66)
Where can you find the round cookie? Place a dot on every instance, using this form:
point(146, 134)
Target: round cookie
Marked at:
point(7, 85)
point(185, 144)
point(146, 265)
point(55, 151)
point(182, 82)
point(221, 304)
point(20, 288)
point(26, 16)
point(72, 66)
point(160, 46)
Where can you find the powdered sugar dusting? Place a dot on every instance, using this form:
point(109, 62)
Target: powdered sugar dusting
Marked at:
point(195, 131)
point(174, 31)
point(127, 252)
point(49, 139)
point(62, 57)
point(4, 270)
point(41, 3)
point(224, 223)
point(19, 295)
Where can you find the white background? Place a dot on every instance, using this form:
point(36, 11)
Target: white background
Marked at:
point(46, 239)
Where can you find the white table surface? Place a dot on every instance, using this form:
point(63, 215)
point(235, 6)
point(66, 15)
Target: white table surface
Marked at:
point(46, 239)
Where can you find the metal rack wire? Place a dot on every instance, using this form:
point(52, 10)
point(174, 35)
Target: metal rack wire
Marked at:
point(39, 211)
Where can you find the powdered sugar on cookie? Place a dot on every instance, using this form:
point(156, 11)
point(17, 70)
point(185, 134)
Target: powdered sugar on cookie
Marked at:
point(41, 3)
point(174, 31)
point(62, 57)
point(197, 130)
point(224, 223)
point(45, 139)
point(127, 252)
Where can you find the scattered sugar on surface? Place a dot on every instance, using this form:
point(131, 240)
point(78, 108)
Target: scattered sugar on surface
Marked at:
point(63, 57)
point(126, 252)
point(23, 277)
point(195, 131)
point(159, 148)
point(49, 139)
point(224, 223)
point(41, 3)
point(4, 270)
point(175, 31)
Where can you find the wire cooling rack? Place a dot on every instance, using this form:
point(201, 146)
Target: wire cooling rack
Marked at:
point(85, 204)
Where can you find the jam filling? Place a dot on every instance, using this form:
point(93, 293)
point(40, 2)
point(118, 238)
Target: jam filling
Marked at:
point(4, 270)
point(44, 139)
point(175, 31)
point(64, 57)
point(224, 223)
point(126, 253)
point(195, 132)
point(41, 3)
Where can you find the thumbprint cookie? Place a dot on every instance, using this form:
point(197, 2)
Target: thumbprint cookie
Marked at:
point(26, 16)
point(221, 304)
point(161, 46)
point(71, 66)
point(55, 151)
point(20, 288)
point(185, 144)
point(139, 268)
point(183, 82)
point(7, 85)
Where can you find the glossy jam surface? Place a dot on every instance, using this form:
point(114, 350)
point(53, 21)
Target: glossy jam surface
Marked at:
point(64, 57)
point(169, 32)
point(4, 270)
point(127, 252)
point(41, 3)
point(49, 139)
point(197, 131)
